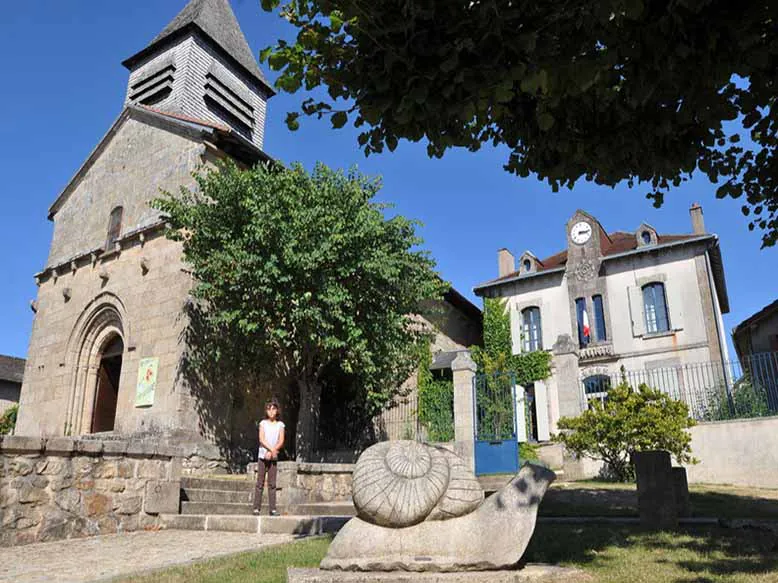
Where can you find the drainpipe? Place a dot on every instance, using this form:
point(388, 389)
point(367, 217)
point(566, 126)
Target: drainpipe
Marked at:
point(719, 335)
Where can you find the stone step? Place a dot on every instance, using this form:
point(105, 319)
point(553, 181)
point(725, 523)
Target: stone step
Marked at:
point(217, 496)
point(232, 485)
point(326, 509)
point(299, 525)
point(217, 508)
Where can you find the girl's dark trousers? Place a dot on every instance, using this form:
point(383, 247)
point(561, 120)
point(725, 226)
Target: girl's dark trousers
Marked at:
point(267, 468)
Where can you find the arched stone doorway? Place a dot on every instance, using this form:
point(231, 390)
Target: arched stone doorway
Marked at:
point(96, 350)
point(107, 389)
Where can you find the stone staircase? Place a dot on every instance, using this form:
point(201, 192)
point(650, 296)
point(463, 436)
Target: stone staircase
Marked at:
point(226, 505)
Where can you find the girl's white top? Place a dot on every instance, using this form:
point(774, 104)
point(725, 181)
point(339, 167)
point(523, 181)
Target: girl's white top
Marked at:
point(272, 434)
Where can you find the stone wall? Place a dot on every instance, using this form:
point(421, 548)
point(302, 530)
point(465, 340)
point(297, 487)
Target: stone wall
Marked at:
point(742, 452)
point(307, 483)
point(61, 488)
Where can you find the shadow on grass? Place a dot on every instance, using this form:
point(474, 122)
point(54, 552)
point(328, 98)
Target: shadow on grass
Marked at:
point(694, 555)
point(594, 500)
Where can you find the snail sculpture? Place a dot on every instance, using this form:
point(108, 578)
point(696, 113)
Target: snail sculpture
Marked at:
point(402, 483)
point(421, 508)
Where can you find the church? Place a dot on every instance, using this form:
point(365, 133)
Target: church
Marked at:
point(106, 341)
point(108, 338)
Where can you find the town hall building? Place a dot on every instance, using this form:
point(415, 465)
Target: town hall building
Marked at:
point(648, 302)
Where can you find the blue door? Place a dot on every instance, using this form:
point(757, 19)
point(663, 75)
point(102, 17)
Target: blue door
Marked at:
point(496, 447)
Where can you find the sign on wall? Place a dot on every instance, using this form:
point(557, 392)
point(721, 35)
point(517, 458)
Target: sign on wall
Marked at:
point(147, 382)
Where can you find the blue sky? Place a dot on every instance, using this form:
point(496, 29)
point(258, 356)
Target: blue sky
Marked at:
point(63, 85)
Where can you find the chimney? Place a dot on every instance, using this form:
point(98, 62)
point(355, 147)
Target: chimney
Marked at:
point(506, 263)
point(698, 223)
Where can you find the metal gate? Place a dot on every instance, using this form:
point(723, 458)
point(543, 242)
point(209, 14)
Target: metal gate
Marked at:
point(496, 446)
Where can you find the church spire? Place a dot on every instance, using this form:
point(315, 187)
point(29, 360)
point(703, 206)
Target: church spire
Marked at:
point(215, 20)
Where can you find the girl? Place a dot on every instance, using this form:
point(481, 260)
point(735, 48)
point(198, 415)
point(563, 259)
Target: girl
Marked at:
point(271, 440)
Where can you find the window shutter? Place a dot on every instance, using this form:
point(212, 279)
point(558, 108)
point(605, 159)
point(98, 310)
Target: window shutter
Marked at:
point(516, 343)
point(636, 310)
point(674, 305)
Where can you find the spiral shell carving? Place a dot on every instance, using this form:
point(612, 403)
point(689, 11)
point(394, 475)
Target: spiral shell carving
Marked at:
point(402, 483)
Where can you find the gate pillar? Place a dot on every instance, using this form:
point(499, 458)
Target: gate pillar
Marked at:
point(463, 369)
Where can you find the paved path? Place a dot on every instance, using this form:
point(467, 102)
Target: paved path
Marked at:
point(102, 558)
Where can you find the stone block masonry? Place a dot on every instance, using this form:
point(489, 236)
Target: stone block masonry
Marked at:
point(62, 488)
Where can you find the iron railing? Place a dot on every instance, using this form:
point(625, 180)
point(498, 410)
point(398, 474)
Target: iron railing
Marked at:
point(713, 391)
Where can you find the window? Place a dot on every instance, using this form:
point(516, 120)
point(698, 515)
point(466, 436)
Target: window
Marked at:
point(599, 319)
point(532, 339)
point(646, 236)
point(114, 226)
point(655, 308)
point(527, 265)
point(598, 383)
point(584, 332)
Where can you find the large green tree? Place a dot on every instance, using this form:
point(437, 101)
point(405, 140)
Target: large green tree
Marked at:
point(606, 90)
point(306, 273)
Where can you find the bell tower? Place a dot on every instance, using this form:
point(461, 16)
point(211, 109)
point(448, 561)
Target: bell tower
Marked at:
point(201, 67)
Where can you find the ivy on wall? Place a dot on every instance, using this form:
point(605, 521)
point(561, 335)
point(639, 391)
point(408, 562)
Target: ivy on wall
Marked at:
point(497, 356)
point(436, 400)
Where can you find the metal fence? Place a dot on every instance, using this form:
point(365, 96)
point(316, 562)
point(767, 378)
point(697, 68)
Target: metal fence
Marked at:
point(400, 420)
point(713, 391)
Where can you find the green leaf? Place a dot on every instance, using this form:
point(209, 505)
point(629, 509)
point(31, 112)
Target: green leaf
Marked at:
point(545, 121)
point(339, 119)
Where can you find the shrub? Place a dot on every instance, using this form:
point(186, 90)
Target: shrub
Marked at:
point(630, 420)
point(8, 420)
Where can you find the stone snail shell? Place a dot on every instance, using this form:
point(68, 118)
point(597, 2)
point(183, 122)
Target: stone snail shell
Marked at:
point(402, 483)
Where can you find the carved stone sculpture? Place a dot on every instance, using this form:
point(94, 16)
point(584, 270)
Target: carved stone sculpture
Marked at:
point(420, 508)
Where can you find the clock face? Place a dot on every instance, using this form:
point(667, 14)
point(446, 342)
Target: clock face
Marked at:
point(581, 232)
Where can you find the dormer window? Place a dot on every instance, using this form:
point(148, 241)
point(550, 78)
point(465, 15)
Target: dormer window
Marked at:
point(114, 226)
point(646, 235)
point(527, 265)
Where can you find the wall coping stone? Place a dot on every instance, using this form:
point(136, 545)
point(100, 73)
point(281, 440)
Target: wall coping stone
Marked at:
point(21, 443)
point(89, 446)
point(55, 445)
point(744, 420)
point(324, 468)
point(115, 447)
point(140, 448)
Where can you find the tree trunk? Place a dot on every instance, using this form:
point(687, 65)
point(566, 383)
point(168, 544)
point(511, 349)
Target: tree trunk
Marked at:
point(308, 420)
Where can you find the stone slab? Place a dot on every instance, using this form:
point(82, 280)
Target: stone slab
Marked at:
point(182, 522)
point(530, 573)
point(162, 496)
point(302, 525)
point(233, 523)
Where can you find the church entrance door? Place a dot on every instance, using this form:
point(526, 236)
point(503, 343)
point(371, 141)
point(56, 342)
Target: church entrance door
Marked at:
point(107, 389)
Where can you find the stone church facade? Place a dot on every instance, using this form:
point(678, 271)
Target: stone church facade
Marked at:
point(111, 296)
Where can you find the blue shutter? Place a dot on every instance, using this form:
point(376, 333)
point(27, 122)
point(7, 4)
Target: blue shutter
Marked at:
point(599, 319)
point(662, 322)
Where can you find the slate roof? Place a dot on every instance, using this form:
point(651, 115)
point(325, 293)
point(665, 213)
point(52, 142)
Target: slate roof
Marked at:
point(224, 137)
point(216, 20)
point(619, 243)
point(752, 319)
point(11, 368)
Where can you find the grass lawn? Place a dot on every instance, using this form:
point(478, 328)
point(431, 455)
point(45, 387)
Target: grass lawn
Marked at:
point(607, 499)
point(609, 553)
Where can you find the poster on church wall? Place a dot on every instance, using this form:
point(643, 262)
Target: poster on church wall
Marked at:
point(147, 382)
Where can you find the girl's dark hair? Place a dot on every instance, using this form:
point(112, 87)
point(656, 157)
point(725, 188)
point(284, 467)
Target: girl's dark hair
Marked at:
point(274, 401)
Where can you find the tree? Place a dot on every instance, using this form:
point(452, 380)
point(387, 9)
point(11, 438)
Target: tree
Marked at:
point(305, 272)
point(606, 90)
point(630, 420)
point(8, 420)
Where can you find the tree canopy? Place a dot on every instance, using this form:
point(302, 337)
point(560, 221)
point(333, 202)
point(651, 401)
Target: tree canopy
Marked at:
point(308, 274)
point(606, 90)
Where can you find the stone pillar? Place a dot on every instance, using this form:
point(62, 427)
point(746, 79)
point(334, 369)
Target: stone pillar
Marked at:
point(656, 491)
point(464, 369)
point(681, 487)
point(567, 377)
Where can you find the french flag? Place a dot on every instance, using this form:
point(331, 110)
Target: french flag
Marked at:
point(586, 329)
